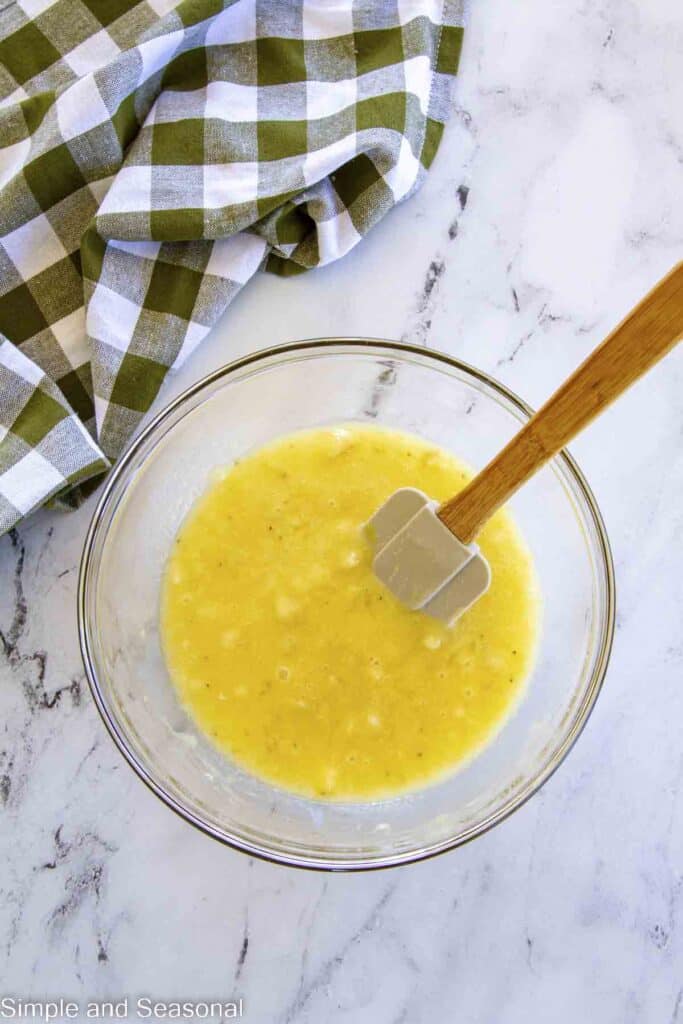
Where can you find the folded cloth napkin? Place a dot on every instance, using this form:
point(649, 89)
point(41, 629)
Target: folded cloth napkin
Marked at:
point(154, 157)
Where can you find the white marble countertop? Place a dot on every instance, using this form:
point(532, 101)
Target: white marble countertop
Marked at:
point(554, 203)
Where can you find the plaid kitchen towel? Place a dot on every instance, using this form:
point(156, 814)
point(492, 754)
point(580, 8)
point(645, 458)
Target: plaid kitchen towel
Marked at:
point(154, 156)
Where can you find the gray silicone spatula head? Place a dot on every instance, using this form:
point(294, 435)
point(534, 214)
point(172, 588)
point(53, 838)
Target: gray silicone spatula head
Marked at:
point(421, 562)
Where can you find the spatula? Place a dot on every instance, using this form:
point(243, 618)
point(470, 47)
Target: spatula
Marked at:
point(424, 552)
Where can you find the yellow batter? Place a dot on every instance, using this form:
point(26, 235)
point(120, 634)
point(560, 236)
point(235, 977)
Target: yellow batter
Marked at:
point(292, 656)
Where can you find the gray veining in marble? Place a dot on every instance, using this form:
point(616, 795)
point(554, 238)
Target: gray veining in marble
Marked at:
point(554, 203)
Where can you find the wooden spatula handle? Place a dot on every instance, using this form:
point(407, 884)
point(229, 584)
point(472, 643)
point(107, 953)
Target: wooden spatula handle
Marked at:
point(648, 333)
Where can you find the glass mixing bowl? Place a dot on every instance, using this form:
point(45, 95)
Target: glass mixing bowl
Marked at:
point(228, 414)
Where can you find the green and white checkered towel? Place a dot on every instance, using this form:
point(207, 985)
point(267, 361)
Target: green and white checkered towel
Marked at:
point(154, 157)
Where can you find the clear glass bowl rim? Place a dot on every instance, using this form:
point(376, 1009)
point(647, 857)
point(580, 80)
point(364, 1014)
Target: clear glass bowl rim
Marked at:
point(583, 712)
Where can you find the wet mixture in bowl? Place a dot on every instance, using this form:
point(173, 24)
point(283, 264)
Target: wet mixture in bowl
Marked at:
point(297, 662)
